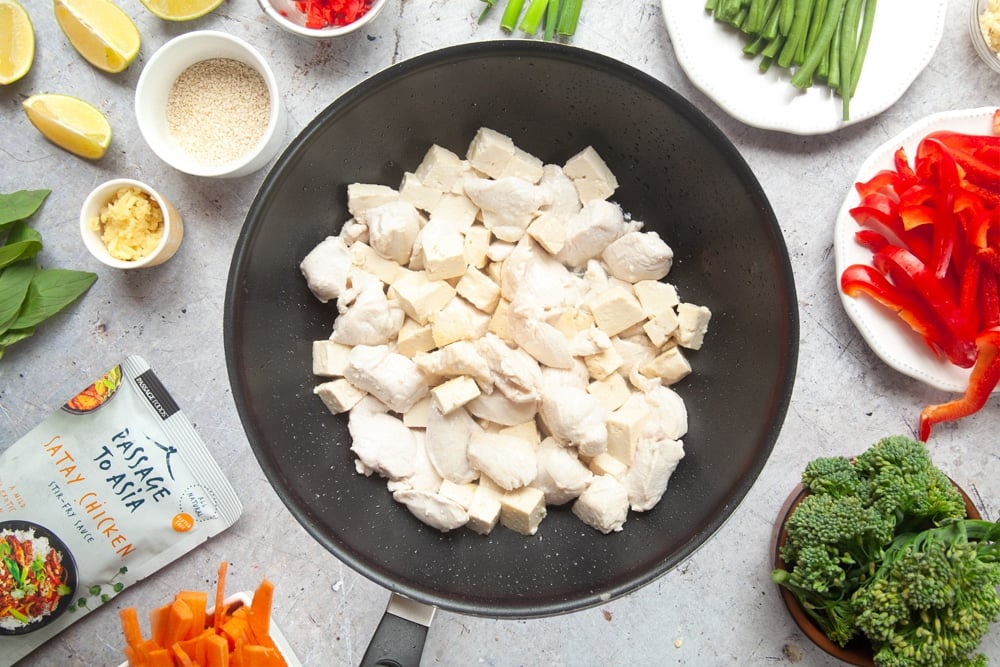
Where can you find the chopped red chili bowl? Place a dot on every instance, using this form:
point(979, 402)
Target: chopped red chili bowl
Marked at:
point(933, 229)
point(332, 13)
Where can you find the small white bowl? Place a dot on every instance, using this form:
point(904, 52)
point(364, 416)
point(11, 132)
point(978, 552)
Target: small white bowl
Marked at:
point(173, 225)
point(288, 16)
point(157, 80)
point(989, 56)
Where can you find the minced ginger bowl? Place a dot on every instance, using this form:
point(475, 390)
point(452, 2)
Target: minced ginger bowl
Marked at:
point(131, 209)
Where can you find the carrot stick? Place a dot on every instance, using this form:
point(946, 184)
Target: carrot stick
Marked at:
point(178, 623)
point(220, 590)
point(197, 602)
point(158, 624)
point(260, 612)
point(130, 626)
point(216, 651)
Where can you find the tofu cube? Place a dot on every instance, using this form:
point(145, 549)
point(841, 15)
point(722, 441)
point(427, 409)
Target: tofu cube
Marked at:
point(490, 152)
point(329, 358)
point(615, 310)
point(458, 320)
point(655, 297)
point(363, 196)
point(442, 247)
point(523, 165)
point(484, 510)
point(604, 363)
point(624, 428)
point(591, 175)
point(420, 296)
point(521, 510)
point(338, 395)
point(477, 245)
point(670, 366)
point(457, 210)
point(479, 290)
point(573, 321)
point(460, 493)
point(439, 169)
point(416, 417)
point(454, 393)
point(500, 322)
point(414, 338)
point(606, 464)
point(366, 259)
point(612, 391)
point(549, 230)
point(413, 191)
point(661, 327)
point(692, 325)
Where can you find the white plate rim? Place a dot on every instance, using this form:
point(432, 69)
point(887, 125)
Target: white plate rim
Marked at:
point(768, 101)
point(887, 336)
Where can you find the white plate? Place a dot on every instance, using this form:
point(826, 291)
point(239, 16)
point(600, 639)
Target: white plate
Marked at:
point(904, 38)
point(888, 336)
point(246, 597)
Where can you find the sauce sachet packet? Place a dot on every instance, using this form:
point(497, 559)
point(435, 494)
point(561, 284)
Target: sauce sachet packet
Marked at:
point(105, 491)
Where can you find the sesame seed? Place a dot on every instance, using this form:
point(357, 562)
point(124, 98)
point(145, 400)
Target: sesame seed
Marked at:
point(218, 110)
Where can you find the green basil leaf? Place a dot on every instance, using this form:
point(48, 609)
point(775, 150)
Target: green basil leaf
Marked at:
point(13, 336)
point(20, 205)
point(50, 291)
point(23, 242)
point(14, 281)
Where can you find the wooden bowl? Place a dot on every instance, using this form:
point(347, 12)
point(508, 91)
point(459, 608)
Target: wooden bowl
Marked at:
point(857, 651)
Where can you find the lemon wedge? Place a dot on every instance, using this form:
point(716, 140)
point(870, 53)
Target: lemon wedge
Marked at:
point(100, 31)
point(17, 41)
point(180, 10)
point(70, 123)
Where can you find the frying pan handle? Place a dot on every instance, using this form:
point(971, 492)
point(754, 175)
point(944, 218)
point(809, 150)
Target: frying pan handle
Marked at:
point(400, 635)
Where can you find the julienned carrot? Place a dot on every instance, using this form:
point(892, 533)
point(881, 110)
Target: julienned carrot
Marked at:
point(184, 633)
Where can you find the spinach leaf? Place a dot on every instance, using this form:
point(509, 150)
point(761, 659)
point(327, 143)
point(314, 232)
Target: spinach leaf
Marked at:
point(20, 205)
point(23, 242)
point(14, 281)
point(50, 291)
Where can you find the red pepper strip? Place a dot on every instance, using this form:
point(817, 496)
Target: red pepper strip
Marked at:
point(988, 197)
point(935, 157)
point(969, 292)
point(881, 213)
point(989, 300)
point(860, 279)
point(908, 273)
point(965, 142)
point(902, 165)
point(870, 239)
point(982, 381)
point(886, 181)
point(916, 215)
point(990, 257)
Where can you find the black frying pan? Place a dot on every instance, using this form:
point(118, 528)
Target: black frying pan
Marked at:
point(678, 173)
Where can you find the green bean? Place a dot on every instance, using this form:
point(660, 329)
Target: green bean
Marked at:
point(803, 12)
point(848, 50)
point(787, 16)
point(867, 24)
point(803, 77)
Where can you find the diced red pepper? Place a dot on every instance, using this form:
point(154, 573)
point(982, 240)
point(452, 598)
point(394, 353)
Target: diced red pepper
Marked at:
point(327, 13)
point(982, 381)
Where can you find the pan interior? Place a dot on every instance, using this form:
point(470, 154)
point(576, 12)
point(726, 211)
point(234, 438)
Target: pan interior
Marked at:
point(678, 174)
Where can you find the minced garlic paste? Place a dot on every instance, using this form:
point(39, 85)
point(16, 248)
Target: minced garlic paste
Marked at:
point(130, 224)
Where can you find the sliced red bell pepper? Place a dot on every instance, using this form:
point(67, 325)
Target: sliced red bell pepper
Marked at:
point(982, 381)
point(859, 279)
point(880, 212)
point(870, 239)
point(908, 273)
point(901, 162)
point(887, 181)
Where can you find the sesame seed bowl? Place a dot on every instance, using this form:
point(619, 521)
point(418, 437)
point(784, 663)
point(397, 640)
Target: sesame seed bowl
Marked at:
point(287, 15)
point(208, 104)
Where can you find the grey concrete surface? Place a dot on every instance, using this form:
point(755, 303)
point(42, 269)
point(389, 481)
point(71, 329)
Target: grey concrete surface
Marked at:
point(718, 607)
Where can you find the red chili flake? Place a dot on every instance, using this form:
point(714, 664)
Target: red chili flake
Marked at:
point(335, 13)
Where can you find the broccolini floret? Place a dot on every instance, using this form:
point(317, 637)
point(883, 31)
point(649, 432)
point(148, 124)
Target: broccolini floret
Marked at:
point(879, 547)
point(933, 597)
